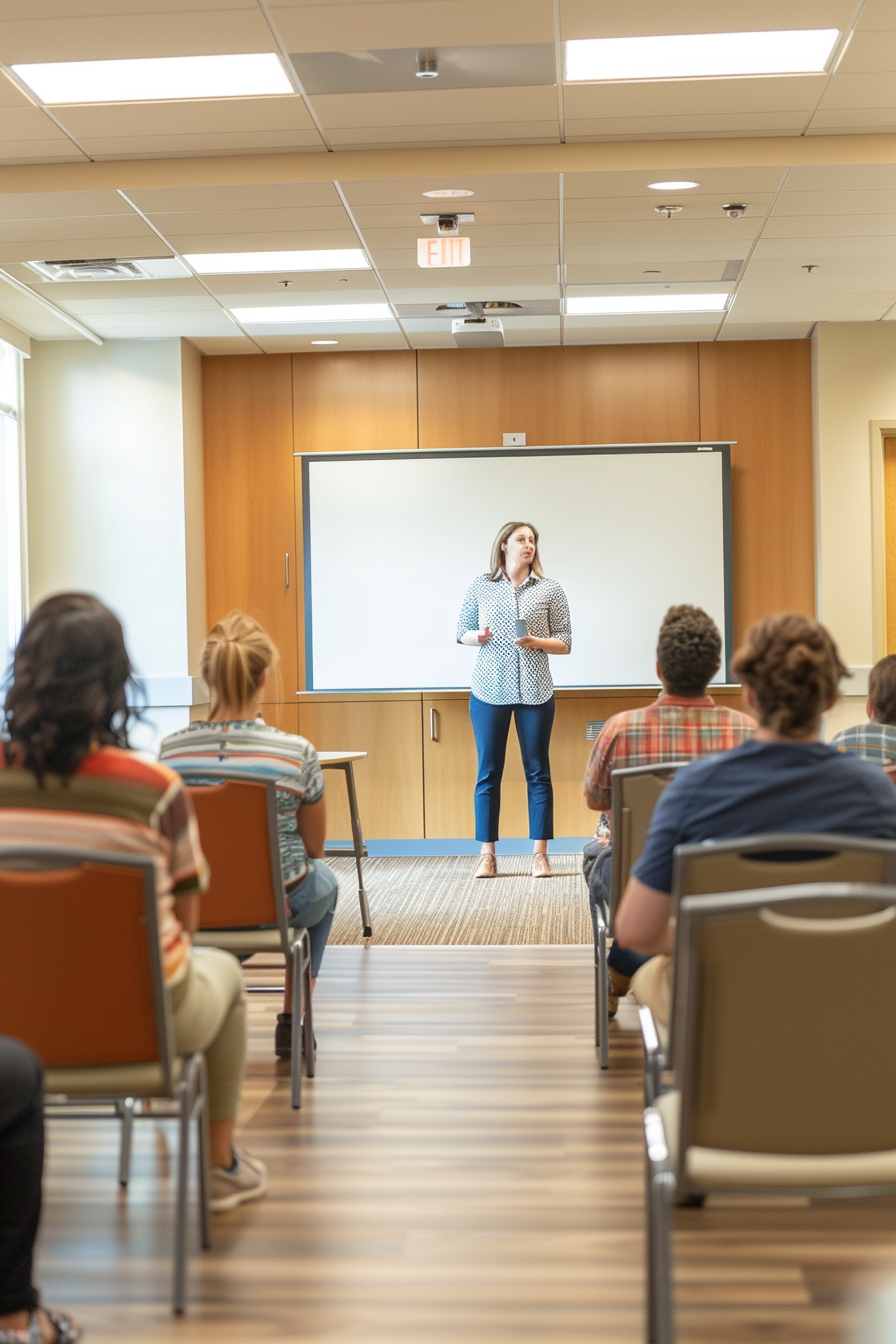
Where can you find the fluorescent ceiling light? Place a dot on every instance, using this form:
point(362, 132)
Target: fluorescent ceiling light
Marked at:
point(156, 79)
point(700, 55)
point(672, 186)
point(324, 313)
point(448, 193)
point(256, 263)
point(646, 303)
point(324, 342)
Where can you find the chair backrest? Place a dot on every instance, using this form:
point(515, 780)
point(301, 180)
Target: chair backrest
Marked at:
point(776, 1055)
point(237, 818)
point(82, 981)
point(636, 791)
point(780, 860)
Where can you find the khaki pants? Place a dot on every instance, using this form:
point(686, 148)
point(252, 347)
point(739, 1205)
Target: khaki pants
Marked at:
point(210, 1015)
point(652, 987)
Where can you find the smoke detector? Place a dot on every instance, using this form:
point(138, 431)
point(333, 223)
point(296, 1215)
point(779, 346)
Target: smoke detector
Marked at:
point(110, 268)
point(735, 210)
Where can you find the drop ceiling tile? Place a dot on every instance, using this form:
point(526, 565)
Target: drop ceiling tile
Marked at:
point(835, 203)
point(592, 210)
point(765, 331)
point(636, 331)
point(292, 343)
point(656, 253)
point(653, 235)
point(868, 53)
point(126, 35)
point(646, 271)
point(86, 247)
point(494, 282)
point(26, 122)
point(436, 108)
point(823, 249)
point(363, 27)
point(767, 274)
point(488, 237)
point(61, 150)
point(198, 146)
point(845, 177)
point(447, 137)
point(260, 242)
point(126, 291)
point(44, 10)
point(249, 221)
point(476, 290)
point(31, 232)
point(711, 126)
point(61, 204)
point(830, 226)
point(485, 258)
point(693, 97)
point(308, 284)
point(719, 182)
point(867, 91)
point(878, 15)
point(224, 345)
point(12, 96)
point(854, 121)
point(30, 317)
point(284, 112)
point(489, 214)
point(273, 196)
point(653, 18)
point(393, 192)
point(90, 306)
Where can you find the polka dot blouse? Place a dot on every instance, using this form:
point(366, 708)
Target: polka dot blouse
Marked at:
point(504, 673)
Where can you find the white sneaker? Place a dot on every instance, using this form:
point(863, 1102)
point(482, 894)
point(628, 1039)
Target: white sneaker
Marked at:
point(248, 1181)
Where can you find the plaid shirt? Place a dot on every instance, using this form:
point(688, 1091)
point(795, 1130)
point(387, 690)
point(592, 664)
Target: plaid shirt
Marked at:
point(874, 741)
point(671, 729)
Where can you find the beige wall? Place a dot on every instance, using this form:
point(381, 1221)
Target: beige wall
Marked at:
point(854, 383)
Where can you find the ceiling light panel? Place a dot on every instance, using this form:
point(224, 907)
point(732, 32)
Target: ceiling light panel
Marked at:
point(167, 78)
point(389, 71)
point(260, 263)
point(620, 304)
point(320, 313)
point(699, 55)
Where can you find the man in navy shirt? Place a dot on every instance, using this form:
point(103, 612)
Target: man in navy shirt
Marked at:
point(785, 780)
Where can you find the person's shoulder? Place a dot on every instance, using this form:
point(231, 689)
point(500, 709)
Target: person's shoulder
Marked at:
point(127, 767)
point(703, 768)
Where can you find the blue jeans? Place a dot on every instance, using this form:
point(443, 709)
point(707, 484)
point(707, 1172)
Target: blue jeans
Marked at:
point(619, 959)
point(491, 725)
point(312, 905)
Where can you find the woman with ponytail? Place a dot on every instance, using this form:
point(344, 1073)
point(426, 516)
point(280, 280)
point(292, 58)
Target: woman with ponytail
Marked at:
point(787, 779)
point(238, 659)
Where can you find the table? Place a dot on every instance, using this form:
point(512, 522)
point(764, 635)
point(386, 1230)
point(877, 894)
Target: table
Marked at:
point(344, 760)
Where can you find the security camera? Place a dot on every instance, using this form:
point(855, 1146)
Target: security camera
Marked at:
point(735, 211)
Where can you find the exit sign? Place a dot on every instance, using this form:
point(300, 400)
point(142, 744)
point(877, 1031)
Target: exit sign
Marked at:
point(443, 252)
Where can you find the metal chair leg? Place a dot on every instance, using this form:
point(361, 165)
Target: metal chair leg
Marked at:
point(308, 1020)
point(295, 1056)
point(660, 1312)
point(603, 993)
point(125, 1109)
point(203, 1156)
point(358, 845)
point(182, 1094)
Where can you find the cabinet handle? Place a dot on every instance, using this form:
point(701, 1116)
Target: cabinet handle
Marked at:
point(433, 725)
point(287, 569)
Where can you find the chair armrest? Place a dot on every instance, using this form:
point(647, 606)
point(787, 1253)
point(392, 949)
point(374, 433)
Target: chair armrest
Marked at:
point(654, 1056)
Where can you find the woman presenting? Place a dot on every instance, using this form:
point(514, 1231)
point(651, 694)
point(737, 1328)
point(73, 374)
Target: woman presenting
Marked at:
point(516, 617)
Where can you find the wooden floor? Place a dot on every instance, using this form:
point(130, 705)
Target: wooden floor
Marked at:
point(460, 1169)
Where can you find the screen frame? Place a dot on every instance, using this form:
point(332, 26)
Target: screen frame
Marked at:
point(721, 446)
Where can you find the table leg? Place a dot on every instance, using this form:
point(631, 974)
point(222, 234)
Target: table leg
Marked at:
point(358, 845)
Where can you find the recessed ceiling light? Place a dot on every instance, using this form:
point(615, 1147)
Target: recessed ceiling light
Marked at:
point(156, 78)
point(700, 55)
point(618, 304)
point(672, 186)
point(256, 263)
point(324, 342)
point(448, 193)
point(314, 312)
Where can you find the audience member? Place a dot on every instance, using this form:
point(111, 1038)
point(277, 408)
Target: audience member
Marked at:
point(67, 779)
point(785, 780)
point(683, 722)
point(237, 661)
point(875, 740)
point(22, 1319)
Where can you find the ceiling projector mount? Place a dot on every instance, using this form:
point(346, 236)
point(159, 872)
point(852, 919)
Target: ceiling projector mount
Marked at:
point(447, 225)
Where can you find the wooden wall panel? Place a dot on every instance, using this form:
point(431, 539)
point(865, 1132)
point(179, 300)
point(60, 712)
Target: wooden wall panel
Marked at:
point(568, 394)
point(250, 521)
point(760, 393)
point(357, 401)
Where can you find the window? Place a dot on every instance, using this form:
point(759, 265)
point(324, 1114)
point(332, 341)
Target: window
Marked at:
point(11, 496)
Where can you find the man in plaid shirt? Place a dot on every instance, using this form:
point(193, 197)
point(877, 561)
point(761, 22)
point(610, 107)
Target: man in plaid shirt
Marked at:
point(682, 722)
point(876, 740)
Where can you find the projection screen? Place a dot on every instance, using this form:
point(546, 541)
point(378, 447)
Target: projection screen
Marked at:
point(392, 540)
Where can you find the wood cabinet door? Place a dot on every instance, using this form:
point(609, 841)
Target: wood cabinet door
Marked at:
point(449, 773)
point(389, 781)
point(250, 523)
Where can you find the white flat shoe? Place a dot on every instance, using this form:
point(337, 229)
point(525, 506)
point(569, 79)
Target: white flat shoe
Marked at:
point(540, 865)
point(486, 867)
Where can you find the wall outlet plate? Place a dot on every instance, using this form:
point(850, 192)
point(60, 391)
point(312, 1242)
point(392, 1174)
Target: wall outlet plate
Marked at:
point(514, 441)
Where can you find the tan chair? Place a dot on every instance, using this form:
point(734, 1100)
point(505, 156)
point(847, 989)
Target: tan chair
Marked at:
point(244, 910)
point(82, 985)
point(782, 1082)
point(759, 861)
point(636, 791)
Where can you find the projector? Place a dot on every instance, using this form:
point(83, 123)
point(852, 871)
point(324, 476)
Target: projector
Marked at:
point(477, 332)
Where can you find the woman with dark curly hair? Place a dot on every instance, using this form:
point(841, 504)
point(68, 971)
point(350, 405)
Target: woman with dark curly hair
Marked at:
point(785, 780)
point(67, 779)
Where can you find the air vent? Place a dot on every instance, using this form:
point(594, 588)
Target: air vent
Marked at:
point(111, 268)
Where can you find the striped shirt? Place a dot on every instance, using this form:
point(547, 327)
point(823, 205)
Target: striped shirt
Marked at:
point(260, 750)
point(117, 802)
point(873, 741)
point(671, 729)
